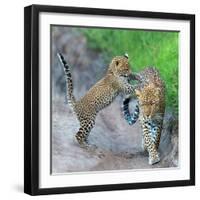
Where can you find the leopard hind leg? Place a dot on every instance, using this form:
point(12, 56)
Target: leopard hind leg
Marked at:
point(84, 131)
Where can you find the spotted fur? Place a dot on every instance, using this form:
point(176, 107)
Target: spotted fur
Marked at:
point(100, 95)
point(150, 94)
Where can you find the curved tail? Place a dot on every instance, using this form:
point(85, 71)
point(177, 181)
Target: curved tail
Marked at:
point(130, 118)
point(69, 86)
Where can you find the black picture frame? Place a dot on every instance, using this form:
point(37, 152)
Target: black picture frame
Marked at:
point(31, 98)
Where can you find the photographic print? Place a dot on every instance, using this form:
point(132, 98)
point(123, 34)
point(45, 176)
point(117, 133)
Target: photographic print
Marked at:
point(109, 99)
point(111, 140)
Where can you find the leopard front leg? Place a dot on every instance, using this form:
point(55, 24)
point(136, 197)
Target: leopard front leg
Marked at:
point(153, 153)
point(144, 137)
point(157, 133)
point(144, 148)
point(150, 145)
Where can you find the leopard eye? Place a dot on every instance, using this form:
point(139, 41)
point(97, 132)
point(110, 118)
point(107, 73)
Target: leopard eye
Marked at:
point(117, 62)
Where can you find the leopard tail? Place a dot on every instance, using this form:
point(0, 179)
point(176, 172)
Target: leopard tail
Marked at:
point(130, 118)
point(69, 83)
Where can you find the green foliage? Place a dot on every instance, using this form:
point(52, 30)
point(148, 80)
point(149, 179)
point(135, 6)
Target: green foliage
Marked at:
point(145, 48)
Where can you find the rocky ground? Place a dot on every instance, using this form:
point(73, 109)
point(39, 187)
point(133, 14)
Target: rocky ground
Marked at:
point(119, 145)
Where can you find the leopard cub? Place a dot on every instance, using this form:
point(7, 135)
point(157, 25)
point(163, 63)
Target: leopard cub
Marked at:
point(99, 96)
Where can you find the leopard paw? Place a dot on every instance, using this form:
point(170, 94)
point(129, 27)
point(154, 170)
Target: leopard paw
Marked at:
point(155, 160)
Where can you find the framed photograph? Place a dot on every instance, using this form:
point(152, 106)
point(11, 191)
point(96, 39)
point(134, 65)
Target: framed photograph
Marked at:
point(109, 99)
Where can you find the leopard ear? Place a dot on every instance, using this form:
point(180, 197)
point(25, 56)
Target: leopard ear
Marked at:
point(126, 55)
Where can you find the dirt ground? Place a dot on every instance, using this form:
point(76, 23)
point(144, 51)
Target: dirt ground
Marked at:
point(119, 145)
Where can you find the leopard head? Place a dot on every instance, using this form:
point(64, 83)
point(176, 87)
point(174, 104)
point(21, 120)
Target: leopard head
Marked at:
point(149, 97)
point(120, 67)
